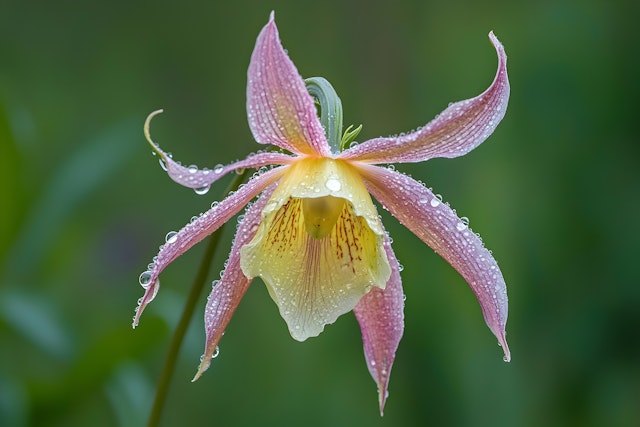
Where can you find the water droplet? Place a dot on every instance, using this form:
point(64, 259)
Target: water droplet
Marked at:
point(436, 200)
point(353, 144)
point(202, 190)
point(171, 237)
point(218, 169)
point(214, 204)
point(463, 224)
point(505, 358)
point(145, 279)
point(193, 169)
point(333, 184)
point(163, 165)
point(391, 168)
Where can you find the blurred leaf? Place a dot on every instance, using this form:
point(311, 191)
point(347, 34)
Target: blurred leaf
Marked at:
point(130, 393)
point(13, 403)
point(9, 188)
point(84, 170)
point(38, 321)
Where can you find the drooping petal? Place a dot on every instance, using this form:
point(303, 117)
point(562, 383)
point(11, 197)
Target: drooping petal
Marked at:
point(280, 110)
point(195, 231)
point(438, 226)
point(317, 275)
point(381, 317)
point(229, 290)
point(201, 179)
point(457, 130)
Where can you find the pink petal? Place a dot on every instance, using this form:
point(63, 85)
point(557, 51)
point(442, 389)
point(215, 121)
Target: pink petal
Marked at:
point(457, 130)
point(436, 224)
point(381, 317)
point(280, 110)
point(197, 230)
point(201, 179)
point(227, 293)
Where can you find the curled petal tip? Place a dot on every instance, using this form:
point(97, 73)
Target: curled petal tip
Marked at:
point(147, 133)
point(204, 365)
point(149, 294)
point(505, 348)
point(382, 399)
point(494, 40)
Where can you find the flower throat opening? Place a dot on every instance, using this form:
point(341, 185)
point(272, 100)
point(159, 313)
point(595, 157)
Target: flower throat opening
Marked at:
point(321, 214)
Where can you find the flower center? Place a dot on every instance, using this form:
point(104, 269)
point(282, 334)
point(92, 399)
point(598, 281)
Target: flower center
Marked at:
point(321, 214)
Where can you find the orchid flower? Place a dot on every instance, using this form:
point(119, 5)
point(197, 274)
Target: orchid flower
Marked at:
point(314, 235)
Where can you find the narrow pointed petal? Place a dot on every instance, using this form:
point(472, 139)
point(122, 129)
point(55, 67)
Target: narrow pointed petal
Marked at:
point(201, 179)
point(438, 226)
point(280, 110)
point(457, 130)
point(381, 317)
point(227, 293)
point(195, 231)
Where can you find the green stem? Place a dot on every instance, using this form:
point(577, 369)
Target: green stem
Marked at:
point(185, 318)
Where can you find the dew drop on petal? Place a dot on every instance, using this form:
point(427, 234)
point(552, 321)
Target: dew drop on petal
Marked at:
point(218, 169)
point(163, 165)
point(171, 237)
point(193, 169)
point(333, 184)
point(436, 200)
point(145, 279)
point(202, 190)
point(463, 224)
point(214, 204)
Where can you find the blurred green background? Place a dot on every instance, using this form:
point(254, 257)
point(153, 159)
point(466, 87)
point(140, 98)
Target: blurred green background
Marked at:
point(554, 193)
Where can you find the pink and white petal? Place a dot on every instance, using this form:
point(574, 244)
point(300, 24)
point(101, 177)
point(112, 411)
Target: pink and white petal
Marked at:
point(227, 293)
point(381, 317)
point(201, 179)
point(195, 231)
point(280, 110)
point(436, 224)
point(457, 130)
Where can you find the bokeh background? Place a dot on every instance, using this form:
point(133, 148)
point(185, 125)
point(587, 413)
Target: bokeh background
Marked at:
point(84, 205)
